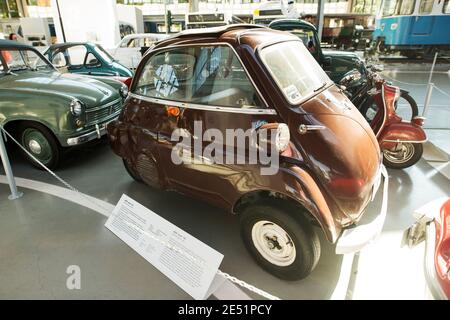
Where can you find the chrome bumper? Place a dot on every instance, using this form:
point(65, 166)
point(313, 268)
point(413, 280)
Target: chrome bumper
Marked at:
point(97, 133)
point(355, 239)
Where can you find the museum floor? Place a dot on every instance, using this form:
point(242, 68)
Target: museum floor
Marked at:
point(41, 235)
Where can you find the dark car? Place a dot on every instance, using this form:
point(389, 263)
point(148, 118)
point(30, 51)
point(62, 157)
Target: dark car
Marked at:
point(195, 95)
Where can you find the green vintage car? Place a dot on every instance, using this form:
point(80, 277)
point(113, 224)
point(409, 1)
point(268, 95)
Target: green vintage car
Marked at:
point(335, 63)
point(48, 111)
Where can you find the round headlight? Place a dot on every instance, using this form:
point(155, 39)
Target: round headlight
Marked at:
point(124, 91)
point(76, 108)
point(282, 137)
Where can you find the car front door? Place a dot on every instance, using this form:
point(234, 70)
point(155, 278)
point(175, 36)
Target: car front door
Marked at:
point(203, 95)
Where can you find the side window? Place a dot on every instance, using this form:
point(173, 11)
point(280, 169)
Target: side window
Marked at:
point(426, 6)
point(405, 7)
point(76, 55)
point(446, 8)
point(147, 42)
point(91, 60)
point(134, 43)
point(202, 75)
point(59, 60)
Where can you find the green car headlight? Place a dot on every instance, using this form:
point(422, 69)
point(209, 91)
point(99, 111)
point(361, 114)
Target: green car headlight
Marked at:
point(76, 107)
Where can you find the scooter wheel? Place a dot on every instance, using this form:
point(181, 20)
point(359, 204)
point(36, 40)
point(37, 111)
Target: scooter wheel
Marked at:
point(403, 156)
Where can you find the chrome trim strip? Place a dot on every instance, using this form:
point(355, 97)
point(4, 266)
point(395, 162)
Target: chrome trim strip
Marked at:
point(406, 141)
point(206, 44)
point(202, 107)
point(104, 106)
point(303, 128)
point(430, 269)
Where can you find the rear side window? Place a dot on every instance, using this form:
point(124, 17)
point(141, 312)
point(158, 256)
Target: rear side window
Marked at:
point(210, 75)
point(76, 55)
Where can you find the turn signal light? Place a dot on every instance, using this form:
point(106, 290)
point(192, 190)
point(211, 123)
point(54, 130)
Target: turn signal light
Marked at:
point(173, 111)
point(347, 187)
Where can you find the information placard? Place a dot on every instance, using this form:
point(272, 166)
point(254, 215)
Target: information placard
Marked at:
point(185, 260)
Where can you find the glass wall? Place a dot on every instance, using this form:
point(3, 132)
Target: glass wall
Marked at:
point(365, 6)
point(9, 9)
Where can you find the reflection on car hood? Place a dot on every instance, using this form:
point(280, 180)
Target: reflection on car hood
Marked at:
point(90, 91)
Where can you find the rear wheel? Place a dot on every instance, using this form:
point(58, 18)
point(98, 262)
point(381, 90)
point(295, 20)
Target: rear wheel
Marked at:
point(287, 247)
point(404, 155)
point(41, 143)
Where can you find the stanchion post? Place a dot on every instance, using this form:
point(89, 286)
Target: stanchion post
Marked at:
point(430, 86)
point(427, 99)
point(7, 166)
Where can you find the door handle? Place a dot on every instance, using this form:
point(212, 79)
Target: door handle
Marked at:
point(303, 128)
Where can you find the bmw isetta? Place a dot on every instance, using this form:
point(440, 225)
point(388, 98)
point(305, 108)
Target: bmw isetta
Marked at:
point(246, 78)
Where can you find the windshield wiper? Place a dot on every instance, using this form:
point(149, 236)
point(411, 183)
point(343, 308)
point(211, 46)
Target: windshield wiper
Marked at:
point(321, 87)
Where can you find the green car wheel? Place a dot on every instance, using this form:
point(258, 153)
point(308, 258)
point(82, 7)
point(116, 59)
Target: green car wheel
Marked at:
point(39, 141)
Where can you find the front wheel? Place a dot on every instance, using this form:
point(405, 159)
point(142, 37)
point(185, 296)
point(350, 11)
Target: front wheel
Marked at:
point(404, 155)
point(41, 143)
point(287, 247)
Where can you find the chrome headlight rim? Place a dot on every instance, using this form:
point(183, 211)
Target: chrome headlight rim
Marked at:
point(124, 91)
point(76, 107)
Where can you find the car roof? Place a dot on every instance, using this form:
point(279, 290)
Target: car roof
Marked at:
point(234, 34)
point(70, 44)
point(146, 35)
point(14, 44)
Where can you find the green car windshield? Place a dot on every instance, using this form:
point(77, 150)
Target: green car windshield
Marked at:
point(22, 59)
point(294, 70)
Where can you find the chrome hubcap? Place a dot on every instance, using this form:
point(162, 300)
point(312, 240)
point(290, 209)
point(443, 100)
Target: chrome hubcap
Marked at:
point(401, 154)
point(273, 243)
point(35, 147)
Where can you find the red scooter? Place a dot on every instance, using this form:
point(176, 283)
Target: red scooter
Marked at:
point(401, 141)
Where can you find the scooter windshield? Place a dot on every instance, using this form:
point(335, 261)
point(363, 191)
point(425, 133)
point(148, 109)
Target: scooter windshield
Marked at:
point(294, 70)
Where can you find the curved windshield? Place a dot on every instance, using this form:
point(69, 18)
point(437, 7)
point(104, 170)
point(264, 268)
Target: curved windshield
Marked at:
point(294, 70)
point(23, 59)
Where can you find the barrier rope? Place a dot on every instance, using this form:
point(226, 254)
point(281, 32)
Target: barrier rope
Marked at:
point(402, 82)
point(227, 276)
point(442, 91)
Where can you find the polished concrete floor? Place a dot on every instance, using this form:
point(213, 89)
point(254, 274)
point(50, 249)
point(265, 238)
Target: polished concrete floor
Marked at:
point(42, 235)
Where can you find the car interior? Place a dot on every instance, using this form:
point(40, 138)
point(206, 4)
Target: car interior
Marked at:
point(202, 75)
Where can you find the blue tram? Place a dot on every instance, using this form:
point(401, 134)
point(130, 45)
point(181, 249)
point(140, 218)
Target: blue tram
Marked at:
point(413, 27)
